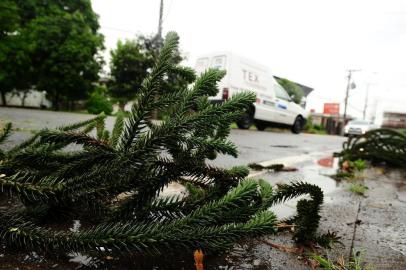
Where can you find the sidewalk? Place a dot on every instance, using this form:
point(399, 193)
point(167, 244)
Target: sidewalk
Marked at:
point(374, 224)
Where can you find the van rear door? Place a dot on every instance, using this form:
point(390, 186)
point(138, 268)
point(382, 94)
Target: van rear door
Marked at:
point(217, 62)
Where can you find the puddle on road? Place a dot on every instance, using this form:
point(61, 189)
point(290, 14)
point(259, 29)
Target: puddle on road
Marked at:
point(312, 172)
point(283, 146)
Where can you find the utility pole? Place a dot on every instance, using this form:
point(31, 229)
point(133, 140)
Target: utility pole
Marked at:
point(158, 37)
point(350, 71)
point(161, 11)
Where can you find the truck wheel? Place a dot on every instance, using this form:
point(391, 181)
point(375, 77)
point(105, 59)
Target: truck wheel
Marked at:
point(261, 126)
point(297, 125)
point(245, 121)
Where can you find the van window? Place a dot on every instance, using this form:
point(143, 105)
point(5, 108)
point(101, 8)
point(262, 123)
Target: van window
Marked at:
point(219, 62)
point(281, 93)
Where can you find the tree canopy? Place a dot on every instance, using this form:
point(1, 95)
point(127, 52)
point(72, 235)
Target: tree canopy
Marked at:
point(130, 63)
point(128, 67)
point(15, 72)
point(58, 45)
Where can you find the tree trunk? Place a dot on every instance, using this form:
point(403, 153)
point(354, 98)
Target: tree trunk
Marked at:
point(3, 98)
point(25, 94)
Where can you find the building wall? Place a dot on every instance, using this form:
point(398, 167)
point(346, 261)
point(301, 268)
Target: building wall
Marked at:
point(387, 113)
point(34, 98)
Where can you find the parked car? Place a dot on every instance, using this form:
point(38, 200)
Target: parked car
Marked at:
point(358, 127)
point(273, 106)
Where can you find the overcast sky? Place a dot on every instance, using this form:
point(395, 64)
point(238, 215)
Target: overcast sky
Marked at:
point(312, 42)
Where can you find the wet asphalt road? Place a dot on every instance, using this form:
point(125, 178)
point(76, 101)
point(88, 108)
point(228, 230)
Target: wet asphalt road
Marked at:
point(254, 146)
point(373, 223)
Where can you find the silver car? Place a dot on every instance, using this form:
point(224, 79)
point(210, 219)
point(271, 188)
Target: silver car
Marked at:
point(358, 127)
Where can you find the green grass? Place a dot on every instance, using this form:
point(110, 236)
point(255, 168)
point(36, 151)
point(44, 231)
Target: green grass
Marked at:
point(356, 262)
point(358, 189)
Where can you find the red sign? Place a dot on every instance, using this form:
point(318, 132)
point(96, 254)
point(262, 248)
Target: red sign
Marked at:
point(331, 108)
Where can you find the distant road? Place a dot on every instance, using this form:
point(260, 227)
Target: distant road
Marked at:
point(254, 146)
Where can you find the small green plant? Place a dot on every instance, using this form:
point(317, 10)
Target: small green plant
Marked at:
point(324, 263)
point(358, 164)
point(355, 262)
point(348, 169)
point(357, 188)
point(98, 102)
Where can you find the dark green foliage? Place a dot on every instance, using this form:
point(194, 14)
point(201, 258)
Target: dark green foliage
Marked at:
point(3, 137)
point(328, 240)
point(128, 68)
point(308, 217)
point(15, 62)
point(98, 103)
point(6, 132)
point(380, 145)
point(115, 180)
point(131, 62)
point(259, 167)
point(51, 46)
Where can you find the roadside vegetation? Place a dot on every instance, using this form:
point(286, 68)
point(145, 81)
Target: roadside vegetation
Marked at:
point(358, 188)
point(380, 146)
point(98, 102)
point(313, 128)
point(355, 263)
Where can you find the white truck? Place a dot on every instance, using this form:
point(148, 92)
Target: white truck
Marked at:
point(273, 106)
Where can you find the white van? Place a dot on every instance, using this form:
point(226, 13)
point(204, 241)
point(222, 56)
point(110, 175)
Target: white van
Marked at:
point(273, 105)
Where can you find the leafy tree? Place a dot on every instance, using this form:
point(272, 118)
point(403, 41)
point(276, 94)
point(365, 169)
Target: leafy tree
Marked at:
point(130, 64)
point(220, 208)
point(293, 89)
point(174, 80)
point(128, 68)
point(66, 49)
point(58, 49)
point(15, 72)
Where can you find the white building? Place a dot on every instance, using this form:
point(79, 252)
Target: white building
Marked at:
point(389, 113)
point(33, 99)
